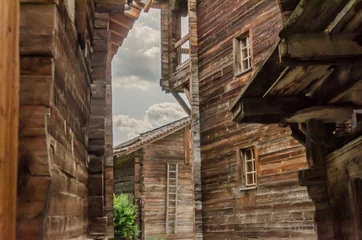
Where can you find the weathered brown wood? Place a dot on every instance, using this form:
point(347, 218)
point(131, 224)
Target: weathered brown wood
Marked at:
point(110, 6)
point(268, 106)
point(97, 227)
point(38, 29)
point(143, 174)
point(148, 5)
point(9, 116)
point(229, 212)
point(327, 114)
point(319, 46)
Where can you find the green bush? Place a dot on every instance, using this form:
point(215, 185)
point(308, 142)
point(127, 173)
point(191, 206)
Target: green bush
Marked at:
point(124, 218)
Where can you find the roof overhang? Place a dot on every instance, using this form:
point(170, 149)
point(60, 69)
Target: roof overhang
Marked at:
point(317, 63)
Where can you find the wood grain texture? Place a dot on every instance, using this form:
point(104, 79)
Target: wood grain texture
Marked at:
point(9, 116)
point(144, 173)
point(279, 208)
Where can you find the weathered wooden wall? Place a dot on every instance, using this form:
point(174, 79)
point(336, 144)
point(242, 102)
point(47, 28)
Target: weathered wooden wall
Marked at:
point(154, 159)
point(9, 115)
point(55, 99)
point(344, 181)
point(279, 207)
point(65, 140)
point(124, 174)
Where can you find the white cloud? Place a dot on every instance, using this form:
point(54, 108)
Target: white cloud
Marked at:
point(163, 113)
point(130, 82)
point(145, 35)
point(157, 115)
point(131, 126)
point(152, 52)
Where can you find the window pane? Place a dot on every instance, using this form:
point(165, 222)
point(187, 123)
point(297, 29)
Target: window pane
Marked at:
point(244, 42)
point(245, 65)
point(249, 167)
point(244, 53)
point(248, 155)
point(249, 179)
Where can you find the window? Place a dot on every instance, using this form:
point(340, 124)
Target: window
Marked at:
point(248, 167)
point(242, 54)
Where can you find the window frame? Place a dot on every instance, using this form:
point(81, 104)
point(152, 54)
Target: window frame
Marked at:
point(237, 53)
point(242, 168)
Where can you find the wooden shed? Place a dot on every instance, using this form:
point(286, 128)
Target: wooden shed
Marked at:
point(157, 168)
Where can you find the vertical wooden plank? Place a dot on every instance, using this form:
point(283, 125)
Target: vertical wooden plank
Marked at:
point(195, 115)
point(9, 115)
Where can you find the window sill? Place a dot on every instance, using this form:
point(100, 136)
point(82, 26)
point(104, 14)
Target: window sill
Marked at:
point(248, 188)
point(242, 73)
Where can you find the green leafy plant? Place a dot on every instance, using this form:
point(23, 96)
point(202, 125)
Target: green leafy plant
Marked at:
point(124, 218)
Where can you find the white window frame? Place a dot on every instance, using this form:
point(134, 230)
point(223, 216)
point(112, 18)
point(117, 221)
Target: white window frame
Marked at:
point(248, 160)
point(242, 61)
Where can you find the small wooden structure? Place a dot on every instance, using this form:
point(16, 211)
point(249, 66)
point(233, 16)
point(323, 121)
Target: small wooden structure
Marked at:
point(311, 82)
point(157, 168)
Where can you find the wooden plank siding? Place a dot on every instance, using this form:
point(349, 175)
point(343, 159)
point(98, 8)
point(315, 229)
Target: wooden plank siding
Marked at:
point(65, 144)
point(153, 176)
point(124, 172)
point(279, 208)
point(344, 170)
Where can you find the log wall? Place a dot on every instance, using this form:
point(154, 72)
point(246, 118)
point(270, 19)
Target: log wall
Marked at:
point(54, 105)
point(153, 176)
point(344, 181)
point(124, 172)
point(279, 208)
point(65, 184)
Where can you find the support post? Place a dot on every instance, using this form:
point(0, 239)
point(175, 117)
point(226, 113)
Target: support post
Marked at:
point(9, 115)
point(315, 178)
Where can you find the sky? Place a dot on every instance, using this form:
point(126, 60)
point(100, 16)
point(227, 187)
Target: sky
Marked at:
point(139, 104)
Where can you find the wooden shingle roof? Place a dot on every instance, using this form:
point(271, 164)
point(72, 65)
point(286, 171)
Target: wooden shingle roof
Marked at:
point(151, 136)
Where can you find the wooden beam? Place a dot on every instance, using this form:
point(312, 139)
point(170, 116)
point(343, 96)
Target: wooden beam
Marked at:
point(148, 5)
point(123, 20)
point(319, 46)
point(9, 115)
point(110, 6)
point(271, 106)
point(181, 102)
point(298, 134)
point(326, 114)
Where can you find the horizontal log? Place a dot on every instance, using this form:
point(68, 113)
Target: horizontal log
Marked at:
point(319, 46)
point(37, 29)
point(328, 114)
point(97, 226)
point(110, 6)
point(267, 110)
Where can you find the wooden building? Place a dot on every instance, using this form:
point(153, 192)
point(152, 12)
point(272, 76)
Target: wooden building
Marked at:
point(157, 169)
point(311, 82)
point(56, 150)
point(246, 175)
